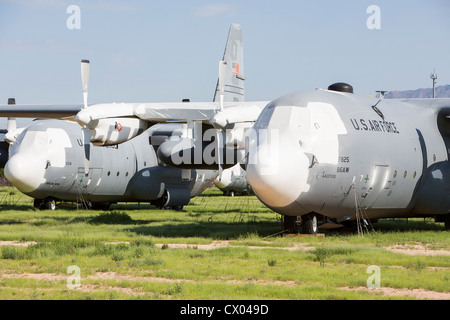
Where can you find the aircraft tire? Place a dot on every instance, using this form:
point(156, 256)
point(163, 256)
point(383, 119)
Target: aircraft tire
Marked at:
point(161, 202)
point(309, 224)
point(49, 204)
point(447, 222)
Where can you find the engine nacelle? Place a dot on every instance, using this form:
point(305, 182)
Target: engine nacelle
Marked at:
point(174, 197)
point(114, 131)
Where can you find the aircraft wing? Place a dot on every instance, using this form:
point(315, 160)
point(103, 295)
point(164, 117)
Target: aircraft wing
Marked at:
point(39, 111)
point(207, 112)
point(152, 112)
point(177, 111)
point(116, 123)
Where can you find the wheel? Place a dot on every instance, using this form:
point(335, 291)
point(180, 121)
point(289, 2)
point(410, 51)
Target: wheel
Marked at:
point(309, 224)
point(447, 222)
point(49, 204)
point(161, 202)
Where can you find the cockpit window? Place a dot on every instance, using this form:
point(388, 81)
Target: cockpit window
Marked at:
point(265, 116)
point(29, 140)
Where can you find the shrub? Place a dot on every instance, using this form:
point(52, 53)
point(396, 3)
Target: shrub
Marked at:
point(14, 253)
point(118, 256)
point(154, 261)
point(272, 262)
point(322, 254)
point(142, 241)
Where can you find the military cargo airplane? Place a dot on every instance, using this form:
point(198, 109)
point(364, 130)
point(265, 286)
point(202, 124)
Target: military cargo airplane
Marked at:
point(343, 157)
point(47, 163)
point(54, 160)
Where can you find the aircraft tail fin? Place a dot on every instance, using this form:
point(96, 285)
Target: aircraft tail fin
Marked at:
point(234, 76)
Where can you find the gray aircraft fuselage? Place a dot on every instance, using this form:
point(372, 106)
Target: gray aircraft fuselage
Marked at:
point(47, 162)
point(330, 152)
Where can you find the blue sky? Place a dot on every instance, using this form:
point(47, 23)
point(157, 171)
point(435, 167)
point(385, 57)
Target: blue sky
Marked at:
point(157, 51)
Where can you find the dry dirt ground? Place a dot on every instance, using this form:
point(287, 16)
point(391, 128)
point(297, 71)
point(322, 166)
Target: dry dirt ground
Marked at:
point(418, 249)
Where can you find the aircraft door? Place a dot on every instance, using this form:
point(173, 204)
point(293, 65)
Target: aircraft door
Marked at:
point(87, 184)
point(375, 185)
point(95, 177)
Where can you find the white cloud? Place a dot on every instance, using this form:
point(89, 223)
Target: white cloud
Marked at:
point(213, 10)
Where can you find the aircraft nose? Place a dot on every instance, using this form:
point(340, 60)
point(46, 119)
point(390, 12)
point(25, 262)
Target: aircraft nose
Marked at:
point(22, 174)
point(224, 180)
point(277, 172)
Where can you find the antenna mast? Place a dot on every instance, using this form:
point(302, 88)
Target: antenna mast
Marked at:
point(434, 77)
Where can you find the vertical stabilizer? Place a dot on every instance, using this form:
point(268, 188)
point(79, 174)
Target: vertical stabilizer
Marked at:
point(234, 74)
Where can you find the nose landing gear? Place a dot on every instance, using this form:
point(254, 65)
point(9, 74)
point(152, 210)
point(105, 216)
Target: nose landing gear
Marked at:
point(306, 224)
point(46, 204)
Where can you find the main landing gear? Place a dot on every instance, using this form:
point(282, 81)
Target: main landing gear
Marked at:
point(306, 224)
point(45, 204)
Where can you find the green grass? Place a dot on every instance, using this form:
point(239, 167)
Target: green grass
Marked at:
point(130, 253)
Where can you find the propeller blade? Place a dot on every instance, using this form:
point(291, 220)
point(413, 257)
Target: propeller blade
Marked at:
point(86, 133)
point(85, 80)
point(219, 158)
point(12, 125)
